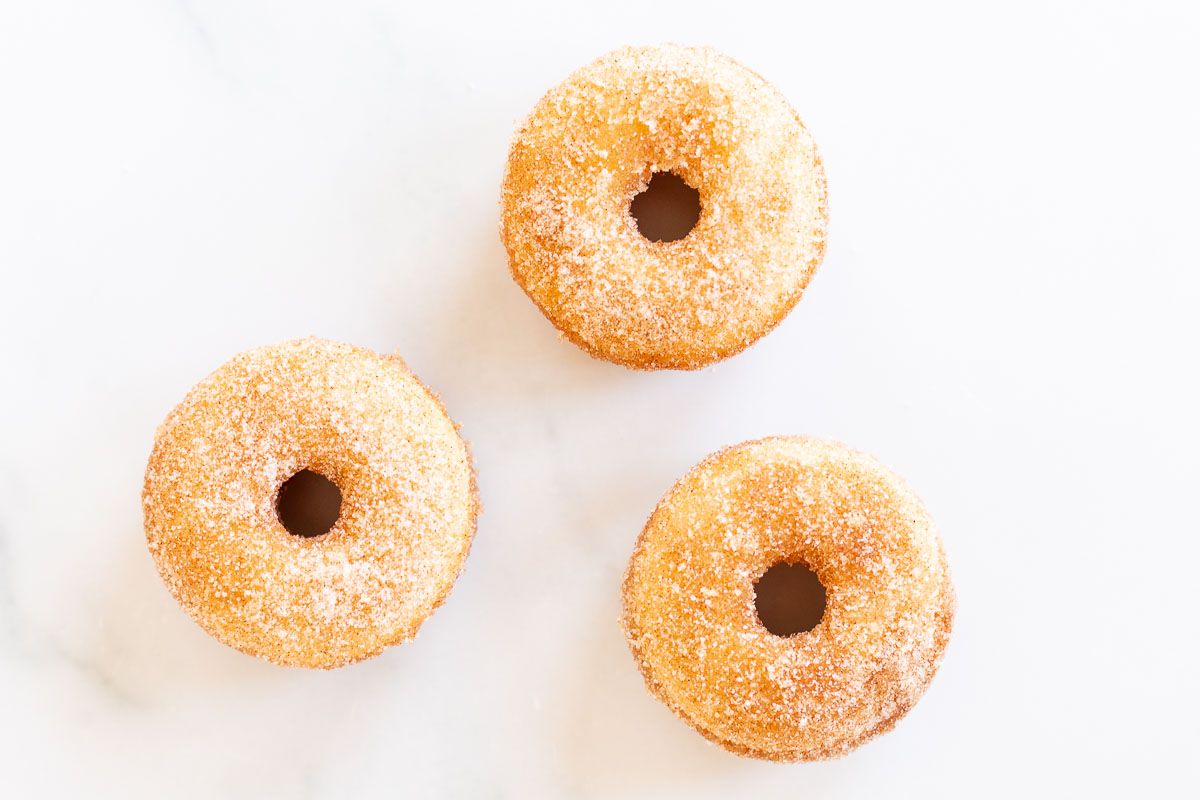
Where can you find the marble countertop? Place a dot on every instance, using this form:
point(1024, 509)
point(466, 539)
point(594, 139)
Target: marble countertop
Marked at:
point(1006, 316)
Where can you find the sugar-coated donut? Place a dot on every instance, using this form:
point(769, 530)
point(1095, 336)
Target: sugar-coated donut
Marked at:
point(363, 421)
point(689, 599)
point(594, 142)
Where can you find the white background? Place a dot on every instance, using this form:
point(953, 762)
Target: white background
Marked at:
point(1007, 316)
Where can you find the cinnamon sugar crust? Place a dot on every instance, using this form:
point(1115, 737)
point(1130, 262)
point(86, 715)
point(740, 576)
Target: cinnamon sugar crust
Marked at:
point(688, 599)
point(593, 143)
point(408, 513)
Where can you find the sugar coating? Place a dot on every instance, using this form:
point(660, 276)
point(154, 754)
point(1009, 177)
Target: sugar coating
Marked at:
point(365, 422)
point(591, 145)
point(689, 611)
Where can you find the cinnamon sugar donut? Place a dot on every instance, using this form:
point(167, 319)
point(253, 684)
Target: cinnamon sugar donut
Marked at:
point(689, 599)
point(367, 424)
point(593, 143)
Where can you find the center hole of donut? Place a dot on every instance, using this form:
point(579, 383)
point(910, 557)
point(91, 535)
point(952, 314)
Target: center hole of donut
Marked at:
point(667, 210)
point(789, 599)
point(308, 504)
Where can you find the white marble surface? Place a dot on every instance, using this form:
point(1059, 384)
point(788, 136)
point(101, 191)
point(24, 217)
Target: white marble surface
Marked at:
point(1007, 315)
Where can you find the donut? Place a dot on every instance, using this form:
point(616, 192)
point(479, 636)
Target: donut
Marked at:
point(689, 599)
point(595, 143)
point(368, 426)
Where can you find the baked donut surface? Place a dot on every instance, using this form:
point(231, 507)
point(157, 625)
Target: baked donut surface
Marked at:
point(593, 143)
point(363, 421)
point(689, 599)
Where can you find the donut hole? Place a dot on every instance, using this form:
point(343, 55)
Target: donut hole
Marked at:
point(667, 209)
point(789, 599)
point(308, 504)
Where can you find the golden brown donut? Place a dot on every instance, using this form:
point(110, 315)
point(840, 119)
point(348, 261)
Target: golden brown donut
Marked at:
point(593, 143)
point(363, 421)
point(689, 599)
